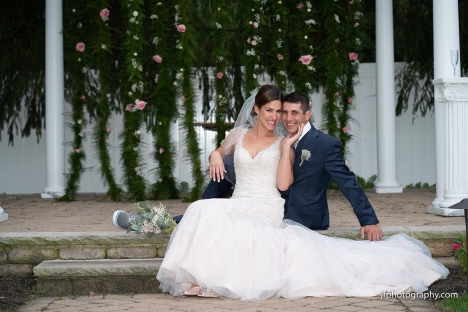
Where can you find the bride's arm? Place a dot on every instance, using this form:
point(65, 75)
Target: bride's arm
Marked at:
point(217, 169)
point(284, 173)
point(227, 147)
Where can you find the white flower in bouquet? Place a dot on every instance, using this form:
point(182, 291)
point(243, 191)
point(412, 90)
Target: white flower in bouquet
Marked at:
point(152, 220)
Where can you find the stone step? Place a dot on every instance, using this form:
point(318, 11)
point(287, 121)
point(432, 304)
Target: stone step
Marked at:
point(82, 277)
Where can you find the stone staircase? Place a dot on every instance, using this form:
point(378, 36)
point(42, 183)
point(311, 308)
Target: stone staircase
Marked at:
point(69, 263)
point(105, 276)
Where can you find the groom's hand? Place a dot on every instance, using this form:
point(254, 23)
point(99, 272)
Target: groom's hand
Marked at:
point(374, 232)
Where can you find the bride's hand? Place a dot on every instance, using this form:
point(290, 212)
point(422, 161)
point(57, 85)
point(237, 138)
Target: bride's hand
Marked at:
point(217, 169)
point(290, 139)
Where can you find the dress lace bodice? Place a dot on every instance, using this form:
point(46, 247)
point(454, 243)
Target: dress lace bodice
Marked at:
point(256, 177)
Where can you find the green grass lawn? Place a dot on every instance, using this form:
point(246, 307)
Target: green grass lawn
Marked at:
point(459, 304)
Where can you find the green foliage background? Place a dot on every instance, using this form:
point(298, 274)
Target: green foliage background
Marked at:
point(22, 68)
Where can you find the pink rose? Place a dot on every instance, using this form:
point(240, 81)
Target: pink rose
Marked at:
point(129, 107)
point(82, 97)
point(337, 93)
point(104, 14)
point(350, 100)
point(351, 2)
point(219, 75)
point(356, 25)
point(108, 129)
point(345, 129)
point(183, 98)
point(255, 24)
point(300, 6)
point(456, 246)
point(337, 40)
point(157, 59)
point(248, 40)
point(161, 150)
point(280, 57)
point(353, 56)
point(78, 150)
point(80, 46)
point(181, 28)
point(140, 104)
point(306, 59)
point(176, 7)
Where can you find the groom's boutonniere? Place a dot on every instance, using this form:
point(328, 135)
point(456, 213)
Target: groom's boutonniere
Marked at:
point(304, 156)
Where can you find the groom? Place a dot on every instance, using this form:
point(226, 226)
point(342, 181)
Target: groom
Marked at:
point(306, 198)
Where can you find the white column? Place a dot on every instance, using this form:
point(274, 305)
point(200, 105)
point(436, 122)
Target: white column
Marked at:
point(55, 151)
point(453, 94)
point(3, 215)
point(386, 119)
point(446, 38)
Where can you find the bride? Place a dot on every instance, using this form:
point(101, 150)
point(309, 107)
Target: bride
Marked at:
point(242, 248)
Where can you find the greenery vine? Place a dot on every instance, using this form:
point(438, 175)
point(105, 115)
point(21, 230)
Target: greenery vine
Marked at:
point(186, 59)
point(164, 98)
point(105, 101)
point(79, 58)
point(133, 91)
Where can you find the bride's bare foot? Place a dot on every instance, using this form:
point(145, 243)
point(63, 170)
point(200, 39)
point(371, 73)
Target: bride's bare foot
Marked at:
point(194, 291)
point(211, 294)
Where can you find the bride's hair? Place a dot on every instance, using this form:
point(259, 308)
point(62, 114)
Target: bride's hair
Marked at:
point(266, 94)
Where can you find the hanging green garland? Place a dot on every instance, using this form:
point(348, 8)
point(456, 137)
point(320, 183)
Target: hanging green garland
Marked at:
point(252, 54)
point(77, 58)
point(278, 51)
point(352, 46)
point(302, 46)
point(133, 91)
point(186, 58)
point(332, 15)
point(103, 47)
point(164, 110)
point(220, 57)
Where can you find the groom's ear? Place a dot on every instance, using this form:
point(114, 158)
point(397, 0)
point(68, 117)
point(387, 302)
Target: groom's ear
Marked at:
point(307, 115)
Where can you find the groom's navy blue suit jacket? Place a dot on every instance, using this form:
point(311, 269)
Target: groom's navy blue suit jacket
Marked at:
point(306, 199)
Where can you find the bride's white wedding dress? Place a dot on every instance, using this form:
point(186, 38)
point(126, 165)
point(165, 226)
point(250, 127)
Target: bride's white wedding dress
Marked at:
point(241, 248)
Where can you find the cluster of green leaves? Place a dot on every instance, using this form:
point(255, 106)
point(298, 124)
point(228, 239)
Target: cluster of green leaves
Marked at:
point(365, 184)
point(420, 185)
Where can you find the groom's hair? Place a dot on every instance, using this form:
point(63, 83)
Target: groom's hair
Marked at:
point(268, 93)
point(298, 98)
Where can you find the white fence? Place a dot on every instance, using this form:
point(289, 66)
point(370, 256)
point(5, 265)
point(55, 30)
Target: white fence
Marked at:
point(22, 166)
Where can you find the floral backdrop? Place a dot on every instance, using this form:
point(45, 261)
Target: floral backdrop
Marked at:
point(139, 58)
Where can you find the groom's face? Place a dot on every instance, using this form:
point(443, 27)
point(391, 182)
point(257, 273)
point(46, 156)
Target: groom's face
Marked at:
point(293, 116)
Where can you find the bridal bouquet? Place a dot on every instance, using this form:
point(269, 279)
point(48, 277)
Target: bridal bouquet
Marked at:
point(152, 220)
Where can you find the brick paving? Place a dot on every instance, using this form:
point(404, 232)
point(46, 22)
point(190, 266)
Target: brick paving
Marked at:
point(165, 302)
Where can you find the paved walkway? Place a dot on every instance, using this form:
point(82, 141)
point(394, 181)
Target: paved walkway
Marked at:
point(30, 213)
point(165, 302)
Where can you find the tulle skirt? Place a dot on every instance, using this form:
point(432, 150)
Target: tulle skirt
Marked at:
point(240, 248)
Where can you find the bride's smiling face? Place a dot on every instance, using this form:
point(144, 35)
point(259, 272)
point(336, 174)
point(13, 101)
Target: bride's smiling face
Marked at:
point(269, 114)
